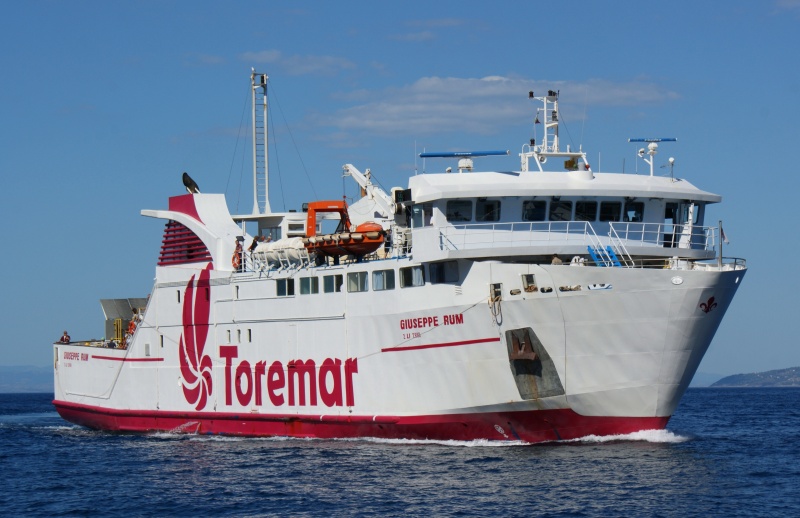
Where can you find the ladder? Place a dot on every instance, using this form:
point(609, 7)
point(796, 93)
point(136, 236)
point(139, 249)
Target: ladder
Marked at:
point(604, 256)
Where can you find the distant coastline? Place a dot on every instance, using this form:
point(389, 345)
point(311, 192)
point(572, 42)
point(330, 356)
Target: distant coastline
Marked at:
point(27, 379)
point(777, 378)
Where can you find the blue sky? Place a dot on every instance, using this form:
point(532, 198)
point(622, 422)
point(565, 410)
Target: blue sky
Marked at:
point(104, 104)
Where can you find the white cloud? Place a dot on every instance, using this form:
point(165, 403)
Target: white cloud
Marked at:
point(414, 36)
point(261, 56)
point(480, 106)
point(299, 65)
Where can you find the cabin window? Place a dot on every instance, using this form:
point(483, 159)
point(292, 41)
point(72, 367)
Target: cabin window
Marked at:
point(610, 210)
point(412, 276)
point(487, 210)
point(560, 211)
point(634, 211)
point(459, 210)
point(444, 272)
point(534, 210)
point(383, 280)
point(421, 215)
point(272, 232)
point(332, 283)
point(285, 287)
point(357, 281)
point(309, 285)
point(585, 211)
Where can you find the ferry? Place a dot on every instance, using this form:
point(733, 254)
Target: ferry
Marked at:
point(545, 303)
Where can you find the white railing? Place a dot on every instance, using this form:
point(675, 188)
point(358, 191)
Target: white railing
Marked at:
point(621, 235)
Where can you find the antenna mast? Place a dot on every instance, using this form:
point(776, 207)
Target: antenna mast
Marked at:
point(652, 149)
point(258, 90)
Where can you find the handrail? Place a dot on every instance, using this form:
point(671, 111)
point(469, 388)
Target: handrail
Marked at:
point(622, 235)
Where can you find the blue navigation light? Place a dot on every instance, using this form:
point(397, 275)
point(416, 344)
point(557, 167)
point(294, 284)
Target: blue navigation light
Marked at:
point(652, 140)
point(458, 154)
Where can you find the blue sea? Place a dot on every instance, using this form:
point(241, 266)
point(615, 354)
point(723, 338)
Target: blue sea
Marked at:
point(726, 452)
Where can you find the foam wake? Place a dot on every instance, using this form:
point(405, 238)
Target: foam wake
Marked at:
point(655, 436)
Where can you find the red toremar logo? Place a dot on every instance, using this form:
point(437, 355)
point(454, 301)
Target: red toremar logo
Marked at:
point(196, 366)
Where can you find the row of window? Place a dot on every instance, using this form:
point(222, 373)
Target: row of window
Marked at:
point(537, 210)
point(409, 277)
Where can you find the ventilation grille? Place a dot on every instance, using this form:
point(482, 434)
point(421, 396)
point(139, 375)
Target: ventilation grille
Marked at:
point(180, 246)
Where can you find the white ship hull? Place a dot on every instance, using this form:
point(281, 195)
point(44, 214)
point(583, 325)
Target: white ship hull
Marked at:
point(429, 362)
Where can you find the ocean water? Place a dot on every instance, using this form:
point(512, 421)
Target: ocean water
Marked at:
point(726, 452)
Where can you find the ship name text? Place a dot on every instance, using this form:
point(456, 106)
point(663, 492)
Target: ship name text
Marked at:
point(298, 383)
point(434, 321)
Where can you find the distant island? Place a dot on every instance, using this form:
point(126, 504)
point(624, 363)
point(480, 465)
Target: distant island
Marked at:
point(25, 379)
point(777, 378)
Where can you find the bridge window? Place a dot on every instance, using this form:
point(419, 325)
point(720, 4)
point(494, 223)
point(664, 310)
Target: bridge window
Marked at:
point(534, 210)
point(560, 211)
point(459, 210)
point(634, 211)
point(383, 280)
point(585, 211)
point(357, 281)
point(610, 210)
point(309, 285)
point(487, 210)
point(332, 283)
point(412, 276)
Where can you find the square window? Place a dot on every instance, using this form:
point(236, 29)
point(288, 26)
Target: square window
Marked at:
point(285, 287)
point(357, 281)
point(487, 210)
point(332, 283)
point(634, 211)
point(309, 285)
point(459, 210)
point(585, 210)
point(444, 272)
point(610, 210)
point(560, 211)
point(534, 210)
point(383, 280)
point(412, 276)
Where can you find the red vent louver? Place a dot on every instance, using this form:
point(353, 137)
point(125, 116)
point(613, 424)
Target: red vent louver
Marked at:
point(180, 246)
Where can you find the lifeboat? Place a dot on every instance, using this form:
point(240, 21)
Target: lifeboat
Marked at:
point(361, 240)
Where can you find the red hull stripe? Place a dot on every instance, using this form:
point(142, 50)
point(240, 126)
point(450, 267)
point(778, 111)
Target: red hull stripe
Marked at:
point(527, 425)
point(123, 359)
point(445, 344)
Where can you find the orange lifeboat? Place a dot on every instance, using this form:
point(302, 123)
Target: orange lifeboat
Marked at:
point(366, 238)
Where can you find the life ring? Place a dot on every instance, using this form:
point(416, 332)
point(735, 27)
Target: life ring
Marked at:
point(236, 260)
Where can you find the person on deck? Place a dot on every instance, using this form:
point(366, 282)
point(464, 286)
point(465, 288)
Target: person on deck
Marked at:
point(556, 260)
point(65, 339)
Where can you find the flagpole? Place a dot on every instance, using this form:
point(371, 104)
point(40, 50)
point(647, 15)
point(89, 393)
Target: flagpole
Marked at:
point(719, 261)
